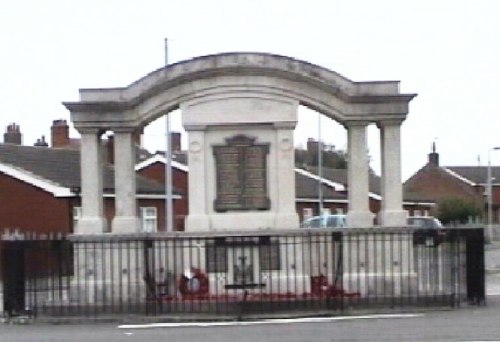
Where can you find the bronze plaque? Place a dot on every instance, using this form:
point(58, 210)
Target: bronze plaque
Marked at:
point(241, 175)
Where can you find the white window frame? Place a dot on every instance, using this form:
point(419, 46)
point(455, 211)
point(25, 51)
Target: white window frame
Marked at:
point(77, 215)
point(149, 219)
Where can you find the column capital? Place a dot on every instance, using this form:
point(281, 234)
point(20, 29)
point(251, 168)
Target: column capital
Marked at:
point(90, 130)
point(389, 122)
point(285, 125)
point(126, 129)
point(196, 127)
point(355, 123)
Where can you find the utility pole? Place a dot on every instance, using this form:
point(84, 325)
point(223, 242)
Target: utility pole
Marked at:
point(320, 168)
point(169, 222)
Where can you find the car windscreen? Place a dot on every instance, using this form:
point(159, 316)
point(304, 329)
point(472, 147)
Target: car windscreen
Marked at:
point(313, 223)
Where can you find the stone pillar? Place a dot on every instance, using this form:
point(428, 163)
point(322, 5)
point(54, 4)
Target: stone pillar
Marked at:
point(92, 220)
point(286, 216)
point(125, 220)
point(391, 213)
point(359, 215)
point(197, 220)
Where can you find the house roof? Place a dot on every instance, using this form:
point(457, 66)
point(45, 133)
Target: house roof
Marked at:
point(306, 187)
point(334, 183)
point(339, 176)
point(57, 170)
point(477, 175)
point(161, 159)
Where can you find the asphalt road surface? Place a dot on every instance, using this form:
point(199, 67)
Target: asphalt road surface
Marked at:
point(469, 323)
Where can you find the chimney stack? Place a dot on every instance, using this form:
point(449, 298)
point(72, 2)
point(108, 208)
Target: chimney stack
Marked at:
point(13, 135)
point(41, 142)
point(60, 133)
point(434, 156)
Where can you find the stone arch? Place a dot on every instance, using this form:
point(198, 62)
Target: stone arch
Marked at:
point(246, 83)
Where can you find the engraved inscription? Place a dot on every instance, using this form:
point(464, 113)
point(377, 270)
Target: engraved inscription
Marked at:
point(241, 175)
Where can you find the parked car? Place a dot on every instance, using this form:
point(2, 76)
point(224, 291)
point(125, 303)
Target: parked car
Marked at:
point(325, 221)
point(424, 222)
point(428, 231)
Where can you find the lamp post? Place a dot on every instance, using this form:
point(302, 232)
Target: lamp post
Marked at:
point(490, 195)
point(320, 168)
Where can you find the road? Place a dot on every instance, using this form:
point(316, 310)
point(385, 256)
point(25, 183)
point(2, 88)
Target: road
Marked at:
point(469, 323)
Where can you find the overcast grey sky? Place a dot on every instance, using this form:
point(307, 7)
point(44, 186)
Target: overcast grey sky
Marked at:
point(447, 51)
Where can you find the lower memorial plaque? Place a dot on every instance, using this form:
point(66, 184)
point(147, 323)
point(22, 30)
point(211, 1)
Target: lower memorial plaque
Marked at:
point(241, 175)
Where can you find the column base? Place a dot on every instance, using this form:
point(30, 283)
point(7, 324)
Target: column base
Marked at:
point(126, 225)
point(392, 218)
point(91, 225)
point(360, 219)
point(107, 273)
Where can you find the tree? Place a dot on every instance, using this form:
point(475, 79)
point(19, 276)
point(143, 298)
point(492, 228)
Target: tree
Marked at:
point(332, 158)
point(457, 210)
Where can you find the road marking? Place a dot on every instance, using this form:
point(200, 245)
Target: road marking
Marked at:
point(266, 321)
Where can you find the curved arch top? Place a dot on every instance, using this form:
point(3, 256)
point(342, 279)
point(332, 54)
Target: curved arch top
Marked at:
point(250, 95)
point(167, 88)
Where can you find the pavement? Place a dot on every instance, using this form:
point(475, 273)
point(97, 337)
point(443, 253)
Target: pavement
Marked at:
point(492, 267)
point(492, 257)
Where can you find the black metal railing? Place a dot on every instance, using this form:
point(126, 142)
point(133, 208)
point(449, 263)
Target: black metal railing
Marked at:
point(308, 271)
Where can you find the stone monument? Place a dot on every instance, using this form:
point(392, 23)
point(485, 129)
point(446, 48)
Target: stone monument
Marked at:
point(241, 162)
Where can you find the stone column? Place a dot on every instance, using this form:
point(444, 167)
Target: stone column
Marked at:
point(391, 213)
point(359, 215)
point(125, 220)
point(197, 220)
point(92, 220)
point(286, 216)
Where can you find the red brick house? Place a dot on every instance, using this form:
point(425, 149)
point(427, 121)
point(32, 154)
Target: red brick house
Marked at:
point(40, 186)
point(48, 179)
point(334, 190)
point(465, 182)
point(154, 168)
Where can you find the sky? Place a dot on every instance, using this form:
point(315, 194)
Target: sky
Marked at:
point(446, 51)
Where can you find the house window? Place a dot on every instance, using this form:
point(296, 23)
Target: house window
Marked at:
point(149, 219)
point(77, 215)
point(307, 213)
point(339, 211)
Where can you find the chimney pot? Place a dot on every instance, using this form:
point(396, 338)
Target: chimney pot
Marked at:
point(434, 156)
point(41, 142)
point(13, 135)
